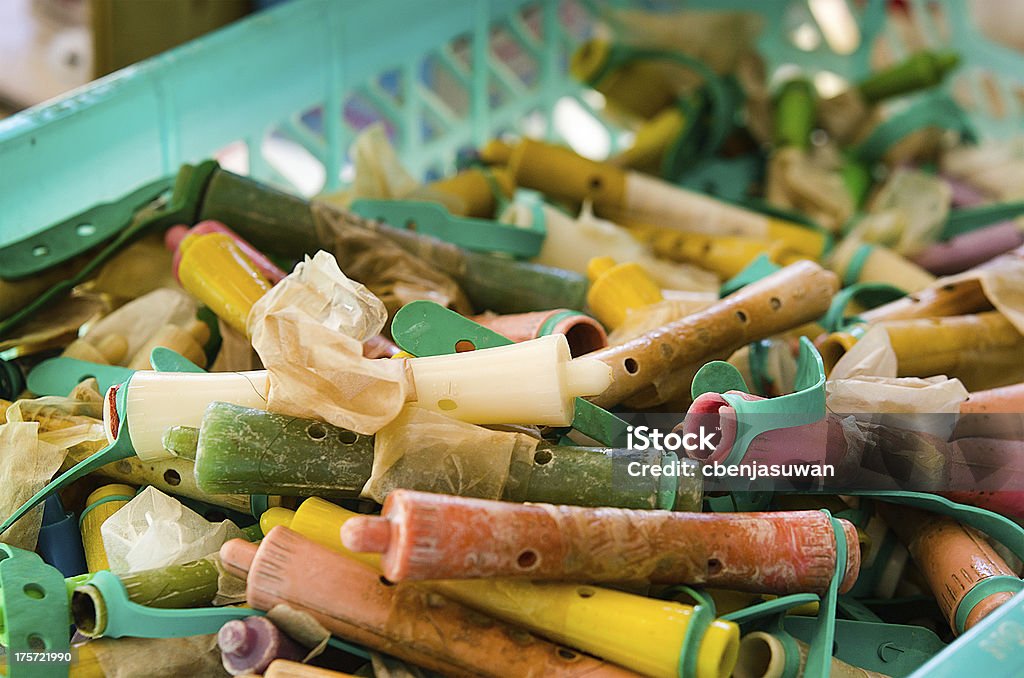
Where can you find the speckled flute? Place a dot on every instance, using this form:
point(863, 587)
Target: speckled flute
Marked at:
point(434, 536)
point(953, 560)
point(795, 295)
point(351, 601)
point(247, 450)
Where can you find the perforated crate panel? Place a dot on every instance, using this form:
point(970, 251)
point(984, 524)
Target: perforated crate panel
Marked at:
point(281, 94)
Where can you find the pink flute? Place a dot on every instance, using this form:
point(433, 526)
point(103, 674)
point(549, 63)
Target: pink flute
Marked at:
point(1003, 400)
point(937, 463)
point(583, 333)
point(437, 536)
point(175, 234)
point(970, 249)
point(352, 601)
point(964, 194)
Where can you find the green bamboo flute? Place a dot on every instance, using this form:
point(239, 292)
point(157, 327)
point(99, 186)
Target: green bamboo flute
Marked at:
point(243, 450)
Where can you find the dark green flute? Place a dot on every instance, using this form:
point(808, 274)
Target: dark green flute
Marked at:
point(284, 226)
point(243, 450)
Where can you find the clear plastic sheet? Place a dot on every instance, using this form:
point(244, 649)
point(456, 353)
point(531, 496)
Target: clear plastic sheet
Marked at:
point(321, 290)
point(810, 182)
point(431, 452)
point(907, 213)
point(154, 530)
point(1002, 280)
point(26, 465)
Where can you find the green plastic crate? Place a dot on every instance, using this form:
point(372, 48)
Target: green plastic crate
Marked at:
point(497, 62)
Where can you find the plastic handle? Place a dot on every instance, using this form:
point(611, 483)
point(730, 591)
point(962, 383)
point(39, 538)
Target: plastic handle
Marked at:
point(478, 235)
point(58, 376)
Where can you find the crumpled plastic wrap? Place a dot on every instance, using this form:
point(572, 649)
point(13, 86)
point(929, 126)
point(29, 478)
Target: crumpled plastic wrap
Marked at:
point(63, 422)
point(230, 589)
point(907, 213)
point(864, 383)
point(26, 465)
point(810, 182)
point(321, 290)
point(139, 319)
point(194, 656)
point(316, 372)
point(396, 276)
point(431, 452)
point(155, 530)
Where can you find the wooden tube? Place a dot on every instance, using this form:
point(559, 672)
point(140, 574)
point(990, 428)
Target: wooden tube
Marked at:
point(353, 602)
point(795, 295)
point(433, 536)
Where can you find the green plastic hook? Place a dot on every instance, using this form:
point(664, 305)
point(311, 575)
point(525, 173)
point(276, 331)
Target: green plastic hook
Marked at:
point(805, 405)
point(929, 110)
point(761, 267)
point(972, 218)
point(425, 328)
point(183, 207)
point(478, 235)
point(58, 376)
point(867, 294)
point(34, 610)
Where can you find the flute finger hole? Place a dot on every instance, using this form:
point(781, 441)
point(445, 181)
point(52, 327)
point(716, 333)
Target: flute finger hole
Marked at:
point(527, 559)
point(742, 316)
point(630, 365)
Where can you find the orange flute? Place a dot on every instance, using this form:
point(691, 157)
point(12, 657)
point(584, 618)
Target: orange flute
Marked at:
point(351, 600)
point(953, 560)
point(435, 536)
point(1002, 400)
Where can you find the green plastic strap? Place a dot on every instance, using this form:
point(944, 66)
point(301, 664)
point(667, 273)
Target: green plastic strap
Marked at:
point(425, 328)
point(549, 324)
point(930, 110)
point(668, 484)
point(433, 219)
point(819, 655)
point(501, 201)
point(77, 235)
point(868, 294)
point(769, 608)
point(983, 589)
point(757, 361)
point(58, 376)
point(760, 267)
point(972, 218)
point(258, 505)
point(34, 610)
point(100, 502)
point(805, 405)
point(183, 207)
point(703, 616)
point(164, 359)
point(856, 265)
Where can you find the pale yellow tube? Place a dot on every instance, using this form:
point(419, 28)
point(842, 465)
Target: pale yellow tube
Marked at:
point(113, 497)
point(762, 655)
point(631, 198)
point(880, 265)
point(638, 633)
point(725, 255)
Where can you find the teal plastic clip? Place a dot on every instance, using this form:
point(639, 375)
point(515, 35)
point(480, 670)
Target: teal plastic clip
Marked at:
point(761, 267)
point(120, 449)
point(703, 616)
point(127, 618)
point(819, 656)
point(933, 109)
point(804, 406)
point(867, 294)
point(478, 235)
point(425, 328)
point(183, 207)
point(972, 218)
point(34, 610)
point(58, 376)
point(889, 649)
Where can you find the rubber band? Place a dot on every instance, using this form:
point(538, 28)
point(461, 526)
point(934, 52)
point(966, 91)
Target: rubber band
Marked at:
point(104, 500)
point(856, 265)
point(983, 589)
point(700, 620)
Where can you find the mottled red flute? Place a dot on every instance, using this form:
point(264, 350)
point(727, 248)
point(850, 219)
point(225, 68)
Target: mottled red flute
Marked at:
point(407, 621)
point(435, 536)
